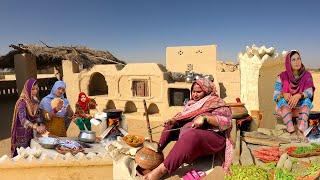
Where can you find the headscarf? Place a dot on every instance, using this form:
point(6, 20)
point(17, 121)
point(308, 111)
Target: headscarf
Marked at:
point(84, 105)
point(206, 104)
point(31, 103)
point(45, 103)
point(294, 85)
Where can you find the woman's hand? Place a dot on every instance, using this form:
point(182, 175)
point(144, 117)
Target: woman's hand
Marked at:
point(198, 122)
point(294, 100)
point(88, 116)
point(287, 96)
point(52, 115)
point(170, 122)
point(41, 129)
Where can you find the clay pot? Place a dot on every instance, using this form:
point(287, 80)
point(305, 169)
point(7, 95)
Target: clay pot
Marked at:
point(238, 110)
point(148, 159)
point(257, 118)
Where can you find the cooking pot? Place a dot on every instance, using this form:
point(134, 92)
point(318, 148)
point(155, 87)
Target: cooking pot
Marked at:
point(209, 77)
point(238, 110)
point(113, 113)
point(148, 159)
point(314, 115)
point(87, 136)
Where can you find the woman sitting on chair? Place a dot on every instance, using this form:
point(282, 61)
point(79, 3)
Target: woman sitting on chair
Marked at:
point(205, 126)
point(294, 93)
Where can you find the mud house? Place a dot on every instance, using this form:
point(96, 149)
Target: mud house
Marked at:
point(45, 64)
point(124, 87)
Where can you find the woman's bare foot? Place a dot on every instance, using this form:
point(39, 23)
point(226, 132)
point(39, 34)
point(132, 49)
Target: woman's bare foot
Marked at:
point(301, 136)
point(157, 173)
point(294, 137)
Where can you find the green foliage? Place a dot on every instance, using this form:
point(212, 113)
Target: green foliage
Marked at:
point(247, 173)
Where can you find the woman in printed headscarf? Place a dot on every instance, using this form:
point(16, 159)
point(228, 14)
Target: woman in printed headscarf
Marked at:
point(293, 93)
point(56, 123)
point(83, 112)
point(205, 124)
point(26, 117)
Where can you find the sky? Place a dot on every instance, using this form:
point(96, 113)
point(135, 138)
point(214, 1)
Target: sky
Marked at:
point(140, 30)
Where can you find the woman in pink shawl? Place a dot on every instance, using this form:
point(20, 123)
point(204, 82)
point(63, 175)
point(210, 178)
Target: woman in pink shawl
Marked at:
point(293, 93)
point(205, 122)
point(26, 117)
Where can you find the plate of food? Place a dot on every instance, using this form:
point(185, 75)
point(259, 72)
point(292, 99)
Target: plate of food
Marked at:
point(71, 146)
point(133, 140)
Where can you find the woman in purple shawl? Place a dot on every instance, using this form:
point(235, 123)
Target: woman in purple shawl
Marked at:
point(293, 93)
point(26, 117)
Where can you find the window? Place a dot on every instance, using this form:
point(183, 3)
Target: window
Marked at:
point(177, 97)
point(140, 88)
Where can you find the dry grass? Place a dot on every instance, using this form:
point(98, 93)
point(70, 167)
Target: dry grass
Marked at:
point(52, 56)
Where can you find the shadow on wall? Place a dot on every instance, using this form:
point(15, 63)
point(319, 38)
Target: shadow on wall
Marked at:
point(153, 109)
point(110, 105)
point(6, 110)
point(98, 85)
point(223, 91)
point(130, 107)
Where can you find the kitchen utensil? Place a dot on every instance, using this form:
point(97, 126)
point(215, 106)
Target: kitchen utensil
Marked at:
point(95, 121)
point(238, 109)
point(48, 142)
point(149, 157)
point(87, 136)
point(198, 76)
point(209, 77)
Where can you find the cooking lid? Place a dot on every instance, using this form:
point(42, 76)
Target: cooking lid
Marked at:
point(235, 104)
point(314, 115)
point(113, 113)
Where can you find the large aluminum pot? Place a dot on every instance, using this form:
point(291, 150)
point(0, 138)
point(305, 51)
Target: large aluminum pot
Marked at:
point(87, 136)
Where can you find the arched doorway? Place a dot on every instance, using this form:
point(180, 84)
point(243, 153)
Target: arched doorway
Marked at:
point(130, 107)
point(97, 85)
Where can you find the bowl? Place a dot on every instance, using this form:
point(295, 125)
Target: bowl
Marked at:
point(48, 142)
point(133, 140)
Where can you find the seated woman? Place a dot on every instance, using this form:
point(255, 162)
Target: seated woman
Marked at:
point(58, 122)
point(205, 122)
point(83, 112)
point(294, 93)
point(26, 117)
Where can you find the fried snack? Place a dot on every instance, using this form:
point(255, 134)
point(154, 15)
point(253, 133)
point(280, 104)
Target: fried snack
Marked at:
point(133, 140)
point(57, 104)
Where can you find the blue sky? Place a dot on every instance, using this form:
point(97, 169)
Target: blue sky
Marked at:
point(140, 30)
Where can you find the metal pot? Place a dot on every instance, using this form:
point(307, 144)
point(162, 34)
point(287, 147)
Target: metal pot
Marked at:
point(189, 77)
point(198, 76)
point(87, 136)
point(209, 77)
